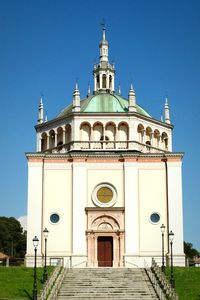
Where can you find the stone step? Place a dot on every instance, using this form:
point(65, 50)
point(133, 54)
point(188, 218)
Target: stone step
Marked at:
point(106, 283)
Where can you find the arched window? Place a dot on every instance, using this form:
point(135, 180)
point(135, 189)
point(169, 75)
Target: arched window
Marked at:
point(110, 131)
point(104, 81)
point(44, 141)
point(98, 81)
point(164, 140)
point(51, 139)
point(67, 133)
point(59, 136)
point(156, 138)
point(140, 131)
point(85, 132)
point(110, 82)
point(97, 131)
point(148, 135)
point(123, 131)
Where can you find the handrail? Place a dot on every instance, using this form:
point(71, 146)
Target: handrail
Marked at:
point(50, 282)
point(57, 284)
point(155, 283)
point(163, 282)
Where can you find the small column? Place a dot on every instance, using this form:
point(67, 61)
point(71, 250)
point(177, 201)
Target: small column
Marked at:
point(56, 139)
point(107, 81)
point(100, 81)
point(64, 136)
point(95, 82)
point(113, 84)
point(48, 140)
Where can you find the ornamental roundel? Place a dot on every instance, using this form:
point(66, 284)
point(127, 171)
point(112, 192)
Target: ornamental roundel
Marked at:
point(104, 195)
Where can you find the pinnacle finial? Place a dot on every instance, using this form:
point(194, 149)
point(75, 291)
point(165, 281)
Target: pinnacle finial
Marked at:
point(167, 112)
point(119, 90)
point(41, 102)
point(76, 85)
point(88, 92)
point(40, 111)
point(161, 116)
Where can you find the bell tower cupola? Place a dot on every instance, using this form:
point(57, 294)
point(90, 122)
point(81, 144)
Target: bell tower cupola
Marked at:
point(104, 72)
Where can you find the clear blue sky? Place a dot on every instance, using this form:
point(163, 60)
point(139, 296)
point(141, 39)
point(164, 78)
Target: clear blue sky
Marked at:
point(45, 45)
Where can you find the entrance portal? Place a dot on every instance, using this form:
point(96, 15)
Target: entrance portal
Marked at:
point(105, 251)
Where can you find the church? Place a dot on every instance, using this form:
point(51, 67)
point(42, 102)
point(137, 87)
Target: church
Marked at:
point(103, 180)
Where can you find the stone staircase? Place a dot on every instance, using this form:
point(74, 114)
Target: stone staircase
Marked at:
point(106, 283)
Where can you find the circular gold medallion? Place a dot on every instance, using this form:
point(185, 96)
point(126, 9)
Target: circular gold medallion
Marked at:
point(104, 194)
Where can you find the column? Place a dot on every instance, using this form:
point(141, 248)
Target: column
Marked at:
point(48, 140)
point(95, 82)
point(64, 136)
point(100, 81)
point(56, 138)
point(107, 81)
point(113, 83)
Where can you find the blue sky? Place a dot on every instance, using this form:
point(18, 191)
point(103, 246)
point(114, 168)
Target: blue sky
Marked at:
point(46, 45)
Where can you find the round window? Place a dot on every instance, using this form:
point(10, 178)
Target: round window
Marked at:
point(155, 218)
point(104, 194)
point(54, 218)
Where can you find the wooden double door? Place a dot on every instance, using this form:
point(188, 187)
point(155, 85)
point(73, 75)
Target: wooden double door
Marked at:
point(105, 251)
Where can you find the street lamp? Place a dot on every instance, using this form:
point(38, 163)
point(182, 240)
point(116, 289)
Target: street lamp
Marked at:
point(172, 281)
point(35, 244)
point(162, 228)
point(45, 232)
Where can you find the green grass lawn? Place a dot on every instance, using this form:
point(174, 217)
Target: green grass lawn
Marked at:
point(17, 282)
point(187, 282)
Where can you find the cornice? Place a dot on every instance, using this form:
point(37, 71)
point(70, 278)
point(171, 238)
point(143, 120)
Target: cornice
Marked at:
point(103, 154)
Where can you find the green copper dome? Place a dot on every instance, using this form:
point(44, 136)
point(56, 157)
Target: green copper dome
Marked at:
point(104, 103)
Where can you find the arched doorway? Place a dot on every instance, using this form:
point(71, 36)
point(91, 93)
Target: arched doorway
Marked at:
point(105, 237)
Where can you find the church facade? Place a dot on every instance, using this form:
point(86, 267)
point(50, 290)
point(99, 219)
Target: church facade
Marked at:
point(103, 180)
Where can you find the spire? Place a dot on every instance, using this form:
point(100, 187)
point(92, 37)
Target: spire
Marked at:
point(131, 100)
point(167, 114)
point(76, 99)
point(41, 112)
point(103, 46)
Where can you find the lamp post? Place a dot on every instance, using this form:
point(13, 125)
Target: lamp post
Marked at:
point(172, 281)
point(35, 244)
point(162, 228)
point(45, 232)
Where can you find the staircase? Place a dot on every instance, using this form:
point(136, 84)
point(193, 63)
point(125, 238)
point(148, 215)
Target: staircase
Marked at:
point(106, 283)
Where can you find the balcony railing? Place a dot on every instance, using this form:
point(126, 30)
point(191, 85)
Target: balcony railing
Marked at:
point(105, 145)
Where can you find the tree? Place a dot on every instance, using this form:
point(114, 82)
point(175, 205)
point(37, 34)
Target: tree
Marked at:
point(12, 237)
point(189, 251)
